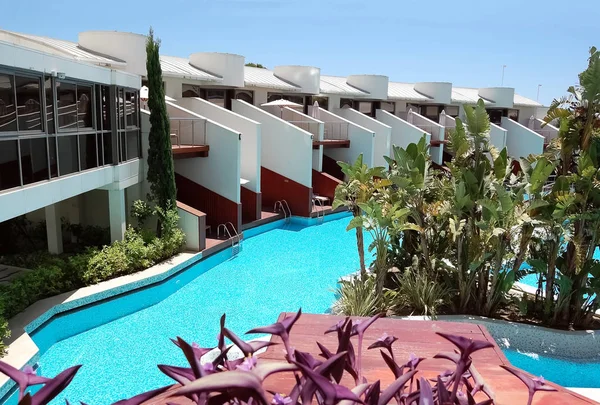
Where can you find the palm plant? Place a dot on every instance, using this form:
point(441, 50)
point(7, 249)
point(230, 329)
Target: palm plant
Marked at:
point(361, 182)
point(574, 201)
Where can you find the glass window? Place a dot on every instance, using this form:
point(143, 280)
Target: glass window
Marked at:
point(67, 106)
point(279, 96)
point(346, 103)
point(49, 105)
point(100, 153)
point(189, 90)
point(84, 106)
point(133, 144)
point(452, 110)
point(87, 151)
point(68, 157)
point(388, 106)
point(34, 160)
point(513, 115)
point(9, 165)
point(323, 102)
point(106, 108)
point(52, 153)
point(108, 148)
point(120, 104)
point(365, 107)
point(122, 147)
point(247, 96)
point(8, 112)
point(131, 109)
point(28, 103)
point(216, 97)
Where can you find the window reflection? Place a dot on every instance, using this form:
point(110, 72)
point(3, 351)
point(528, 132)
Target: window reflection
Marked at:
point(49, 105)
point(87, 151)
point(107, 145)
point(216, 97)
point(84, 106)
point(67, 105)
point(131, 109)
point(28, 103)
point(34, 160)
point(9, 165)
point(68, 156)
point(8, 113)
point(133, 147)
point(247, 96)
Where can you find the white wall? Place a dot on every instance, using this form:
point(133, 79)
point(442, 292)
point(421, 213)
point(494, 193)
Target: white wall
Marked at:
point(126, 46)
point(441, 92)
point(220, 171)
point(498, 136)
point(503, 97)
point(375, 85)
point(189, 224)
point(174, 85)
point(334, 102)
point(362, 140)
point(251, 136)
point(437, 134)
point(308, 78)
point(383, 132)
point(228, 66)
point(520, 140)
point(403, 133)
point(286, 149)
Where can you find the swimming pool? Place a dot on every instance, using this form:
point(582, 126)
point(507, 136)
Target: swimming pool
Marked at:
point(281, 270)
point(562, 371)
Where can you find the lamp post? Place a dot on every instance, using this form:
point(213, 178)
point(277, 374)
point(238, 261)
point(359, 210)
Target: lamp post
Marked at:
point(537, 98)
point(503, 67)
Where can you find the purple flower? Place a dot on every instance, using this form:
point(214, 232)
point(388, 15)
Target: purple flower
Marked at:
point(208, 367)
point(540, 380)
point(29, 370)
point(195, 345)
point(248, 364)
point(279, 399)
point(383, 337)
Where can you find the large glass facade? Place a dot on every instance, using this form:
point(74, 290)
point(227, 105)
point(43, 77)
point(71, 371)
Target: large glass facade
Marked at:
point(51, 127)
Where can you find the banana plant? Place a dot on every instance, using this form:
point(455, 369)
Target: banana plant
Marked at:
point(361, 183)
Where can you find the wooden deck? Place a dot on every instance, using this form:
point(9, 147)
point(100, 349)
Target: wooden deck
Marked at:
point(416, 337)
point(332, 143)
point(189, 151)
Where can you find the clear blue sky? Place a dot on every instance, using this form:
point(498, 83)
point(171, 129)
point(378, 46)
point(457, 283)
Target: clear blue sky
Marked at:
point(464, 42)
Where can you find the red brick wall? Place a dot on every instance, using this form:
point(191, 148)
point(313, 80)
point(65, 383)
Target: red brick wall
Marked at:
point(274, 187)
point(324, 184)
point(218, 209)
point(251, 205)
point(331, 167)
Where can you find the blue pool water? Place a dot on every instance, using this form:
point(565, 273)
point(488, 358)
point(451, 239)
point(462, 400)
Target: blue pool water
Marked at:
point(281, 270)
point(565, 372)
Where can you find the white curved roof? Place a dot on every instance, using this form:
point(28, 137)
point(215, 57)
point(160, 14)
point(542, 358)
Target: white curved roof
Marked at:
point(258, 77)
point(522, 101)
point(466, 95)
point(338, 85)
point(174, 66)
point(62, 47)
point(405, 91)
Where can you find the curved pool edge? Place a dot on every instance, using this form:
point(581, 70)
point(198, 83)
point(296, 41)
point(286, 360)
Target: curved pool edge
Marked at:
point(23, 351)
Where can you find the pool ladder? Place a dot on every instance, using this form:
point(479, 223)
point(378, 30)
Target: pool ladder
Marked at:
point(285, 208)
point(320, 213)
point(236, 238)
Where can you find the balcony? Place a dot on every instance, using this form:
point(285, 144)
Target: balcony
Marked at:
point(188, 138)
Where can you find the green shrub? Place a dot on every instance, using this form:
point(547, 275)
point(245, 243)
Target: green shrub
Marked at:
point(55, 274)
point(357, 296)
point(419, 293)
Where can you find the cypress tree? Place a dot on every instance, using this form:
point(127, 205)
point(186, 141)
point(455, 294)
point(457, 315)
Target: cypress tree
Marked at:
point(161, 174)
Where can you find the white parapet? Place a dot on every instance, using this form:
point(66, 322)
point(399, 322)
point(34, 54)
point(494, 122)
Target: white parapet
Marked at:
point(403, 132)
point(126, 46)
point(286, 148)
point(383, 133)
point(520, 140)
point(503, 97)
point(375, 85)
point(228, 66)
point(440, 92)
point(308, 78)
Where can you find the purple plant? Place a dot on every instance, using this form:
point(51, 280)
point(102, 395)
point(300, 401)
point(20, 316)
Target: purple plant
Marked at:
point(241, 381)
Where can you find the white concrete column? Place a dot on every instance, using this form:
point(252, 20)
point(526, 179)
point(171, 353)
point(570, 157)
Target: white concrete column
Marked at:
point(53, 229)
point(116, 210)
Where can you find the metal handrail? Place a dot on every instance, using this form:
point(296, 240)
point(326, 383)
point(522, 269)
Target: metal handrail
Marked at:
point(283, 209)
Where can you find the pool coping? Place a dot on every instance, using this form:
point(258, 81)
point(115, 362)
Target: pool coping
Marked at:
point(22, 350)
point(504, 342)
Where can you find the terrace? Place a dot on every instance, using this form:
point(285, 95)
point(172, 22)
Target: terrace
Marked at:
point(188, 138)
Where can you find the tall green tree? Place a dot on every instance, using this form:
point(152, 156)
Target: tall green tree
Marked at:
point(161, 174)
